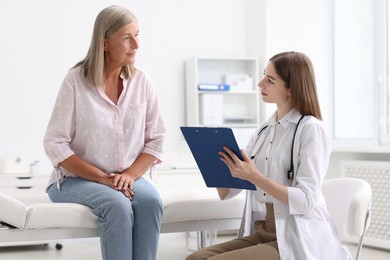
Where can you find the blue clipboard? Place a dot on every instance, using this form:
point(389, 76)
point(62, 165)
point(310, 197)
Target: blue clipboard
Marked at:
point(205, 143)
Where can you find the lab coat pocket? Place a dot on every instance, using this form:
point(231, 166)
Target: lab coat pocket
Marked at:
point(314, 239)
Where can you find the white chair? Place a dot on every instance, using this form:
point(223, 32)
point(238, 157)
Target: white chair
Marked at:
point(349, 202)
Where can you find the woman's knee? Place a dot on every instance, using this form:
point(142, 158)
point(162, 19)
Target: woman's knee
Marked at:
point(154, 200)
point(146, 195)
point(151, 203)
point(120, 206)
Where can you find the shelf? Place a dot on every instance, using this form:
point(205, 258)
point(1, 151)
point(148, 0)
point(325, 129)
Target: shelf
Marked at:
point(238, 107)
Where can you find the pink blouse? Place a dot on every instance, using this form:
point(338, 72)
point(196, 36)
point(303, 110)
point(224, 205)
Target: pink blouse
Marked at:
point(86, 122)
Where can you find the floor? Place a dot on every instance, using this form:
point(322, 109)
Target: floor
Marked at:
point(174, 246)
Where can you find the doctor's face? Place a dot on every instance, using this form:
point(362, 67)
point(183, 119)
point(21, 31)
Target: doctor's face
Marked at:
point(273, 89)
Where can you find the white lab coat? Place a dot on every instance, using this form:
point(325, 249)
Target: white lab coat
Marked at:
point(304, 228)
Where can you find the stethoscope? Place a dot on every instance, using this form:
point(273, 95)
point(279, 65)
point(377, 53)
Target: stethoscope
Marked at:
point(290, 172)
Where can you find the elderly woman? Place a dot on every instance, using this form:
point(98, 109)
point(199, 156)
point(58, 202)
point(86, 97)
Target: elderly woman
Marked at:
point(105, 132)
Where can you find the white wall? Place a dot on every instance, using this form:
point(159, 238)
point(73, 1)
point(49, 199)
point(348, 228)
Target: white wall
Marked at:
point(42, 39)
point(304, 25)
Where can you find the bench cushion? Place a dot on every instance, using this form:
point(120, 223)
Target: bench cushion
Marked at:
point(12, 211)
point(199, 204)
point(180, 205)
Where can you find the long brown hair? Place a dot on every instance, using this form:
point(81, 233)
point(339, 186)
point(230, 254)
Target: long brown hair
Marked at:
point(296, 70)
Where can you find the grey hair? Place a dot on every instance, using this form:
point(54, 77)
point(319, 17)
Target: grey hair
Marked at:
point(107, 22)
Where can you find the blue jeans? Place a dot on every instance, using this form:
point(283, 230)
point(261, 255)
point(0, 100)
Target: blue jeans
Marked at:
point(128, 229)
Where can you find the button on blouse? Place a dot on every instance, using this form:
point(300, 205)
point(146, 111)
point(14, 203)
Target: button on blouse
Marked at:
point(268, 153)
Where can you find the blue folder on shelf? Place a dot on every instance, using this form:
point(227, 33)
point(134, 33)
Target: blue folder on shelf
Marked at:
point(205, 143)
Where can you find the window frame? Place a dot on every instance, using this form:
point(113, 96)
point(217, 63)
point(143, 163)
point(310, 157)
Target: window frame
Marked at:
point(382, 40)
point(381, 91)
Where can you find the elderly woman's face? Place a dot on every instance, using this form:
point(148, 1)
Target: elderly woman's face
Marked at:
point(120, 49)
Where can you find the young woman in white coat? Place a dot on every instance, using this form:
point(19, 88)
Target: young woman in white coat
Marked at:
point(287, 159)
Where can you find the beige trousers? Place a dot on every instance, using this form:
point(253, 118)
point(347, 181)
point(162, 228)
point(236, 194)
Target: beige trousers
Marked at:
point(260, 245)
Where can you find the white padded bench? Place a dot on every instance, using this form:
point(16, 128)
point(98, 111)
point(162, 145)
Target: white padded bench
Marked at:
point(36, 218)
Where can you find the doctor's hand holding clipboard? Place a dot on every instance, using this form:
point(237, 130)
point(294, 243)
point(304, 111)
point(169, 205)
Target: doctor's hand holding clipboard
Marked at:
point(243, 169)
point(205, 144)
